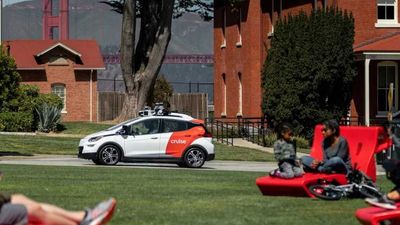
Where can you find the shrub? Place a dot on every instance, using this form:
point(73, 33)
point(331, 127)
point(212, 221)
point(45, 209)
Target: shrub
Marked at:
point(25, 99)
point(28, 98)
point(16, 121)
point(309, 70)
point(49, 116)
point(9, 80)
point(301, 142)
point(50, 99)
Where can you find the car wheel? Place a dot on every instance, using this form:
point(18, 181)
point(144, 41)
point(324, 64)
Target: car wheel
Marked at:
point(109, 155)
point(96, 161)
point(181, 164)
point(194, 158)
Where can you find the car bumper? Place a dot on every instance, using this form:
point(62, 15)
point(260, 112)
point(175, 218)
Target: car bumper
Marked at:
point(90, 155)
point(210, 157)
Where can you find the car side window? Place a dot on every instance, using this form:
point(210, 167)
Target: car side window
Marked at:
point(174, 125)
point(145, 127)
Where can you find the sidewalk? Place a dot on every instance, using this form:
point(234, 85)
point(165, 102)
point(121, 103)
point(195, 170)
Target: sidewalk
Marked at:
point(247, 144)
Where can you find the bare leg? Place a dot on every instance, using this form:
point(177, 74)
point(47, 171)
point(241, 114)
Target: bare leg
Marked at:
point(47, 213)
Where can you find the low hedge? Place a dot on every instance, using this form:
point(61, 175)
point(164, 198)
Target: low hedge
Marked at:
point(16, 121)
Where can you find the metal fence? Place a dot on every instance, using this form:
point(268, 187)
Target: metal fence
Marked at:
point(253, 129)
point(194, 104)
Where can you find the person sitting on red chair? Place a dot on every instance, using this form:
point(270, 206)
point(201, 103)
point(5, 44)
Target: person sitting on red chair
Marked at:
point(392, 168)
point(336, 156)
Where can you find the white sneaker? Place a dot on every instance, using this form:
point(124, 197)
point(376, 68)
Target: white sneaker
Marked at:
point(382, 202)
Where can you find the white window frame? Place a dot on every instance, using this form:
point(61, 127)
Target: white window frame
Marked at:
point(56, 92)
point(387, 22)
point(396, 91)
point(223, 44)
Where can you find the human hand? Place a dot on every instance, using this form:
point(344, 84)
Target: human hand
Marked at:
point(315, 164)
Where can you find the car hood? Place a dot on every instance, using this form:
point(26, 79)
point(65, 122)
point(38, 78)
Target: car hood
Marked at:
point(101, 133)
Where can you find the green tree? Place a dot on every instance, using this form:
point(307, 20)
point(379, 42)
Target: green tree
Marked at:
point(308, 74)
point(141, 61)
point(9, 80)
point(162, 92)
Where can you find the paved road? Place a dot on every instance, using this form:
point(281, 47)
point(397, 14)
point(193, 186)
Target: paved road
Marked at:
point(52, 160)
point(74, 161)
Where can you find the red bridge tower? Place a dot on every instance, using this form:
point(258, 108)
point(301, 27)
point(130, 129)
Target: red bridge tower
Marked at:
point(55, 20)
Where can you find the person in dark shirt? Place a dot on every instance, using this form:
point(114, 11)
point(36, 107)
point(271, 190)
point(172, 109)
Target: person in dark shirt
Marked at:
point(336, 156)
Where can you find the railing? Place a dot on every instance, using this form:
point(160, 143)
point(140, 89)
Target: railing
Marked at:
point(224, 131)
point(253, 130)
point(250, 129)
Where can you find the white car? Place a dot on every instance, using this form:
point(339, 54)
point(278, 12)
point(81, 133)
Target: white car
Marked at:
point(173, 138)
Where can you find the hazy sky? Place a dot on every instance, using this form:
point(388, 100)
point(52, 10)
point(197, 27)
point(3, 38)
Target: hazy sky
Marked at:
point(8, 2)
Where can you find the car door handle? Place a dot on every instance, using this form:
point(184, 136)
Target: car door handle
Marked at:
point(188, 135)
point(154, 138)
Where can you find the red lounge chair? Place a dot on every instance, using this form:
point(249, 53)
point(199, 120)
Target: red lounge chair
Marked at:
point(375, 215)
point(364, 142)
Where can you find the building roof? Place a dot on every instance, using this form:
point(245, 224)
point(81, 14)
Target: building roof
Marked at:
point(388, 43)
point(25, 52)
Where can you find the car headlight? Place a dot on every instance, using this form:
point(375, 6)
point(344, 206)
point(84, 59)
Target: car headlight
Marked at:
point(94, 139)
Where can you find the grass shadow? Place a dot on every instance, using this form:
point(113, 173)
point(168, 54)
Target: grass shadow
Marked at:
point(9, 153)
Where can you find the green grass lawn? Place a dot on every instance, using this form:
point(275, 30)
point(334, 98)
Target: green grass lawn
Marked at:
point(174, 196)
point(69, 145)
point(39, 144)
point(226, 152)
point(83, 128)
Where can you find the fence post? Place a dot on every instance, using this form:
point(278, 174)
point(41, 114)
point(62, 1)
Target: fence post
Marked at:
point(263, 131)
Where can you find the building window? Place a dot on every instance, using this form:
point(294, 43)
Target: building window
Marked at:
point(223, 95)
point(387, 74)
point(240, 113)
point(239, 28)
point(387, 11)
point(60, 90)
point(223, 44)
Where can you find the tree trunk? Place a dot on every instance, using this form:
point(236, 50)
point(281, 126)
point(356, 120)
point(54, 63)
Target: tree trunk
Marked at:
point(140, 66)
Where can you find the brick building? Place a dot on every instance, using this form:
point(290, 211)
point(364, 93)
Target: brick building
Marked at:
point(67, 68)
point(242, 36)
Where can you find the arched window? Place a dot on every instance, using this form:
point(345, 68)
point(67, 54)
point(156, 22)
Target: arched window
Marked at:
point(223, 42)
point(386, 74)
point(239, 28)
point(60, 90)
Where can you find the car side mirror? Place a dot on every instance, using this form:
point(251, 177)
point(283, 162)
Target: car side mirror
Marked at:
point(124, 130)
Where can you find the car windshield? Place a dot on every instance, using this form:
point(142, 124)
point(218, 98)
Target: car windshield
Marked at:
point(121, 124)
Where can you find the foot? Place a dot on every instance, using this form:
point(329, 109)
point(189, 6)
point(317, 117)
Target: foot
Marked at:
point(382, 202)
point(275, 173)
point(100, 214)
